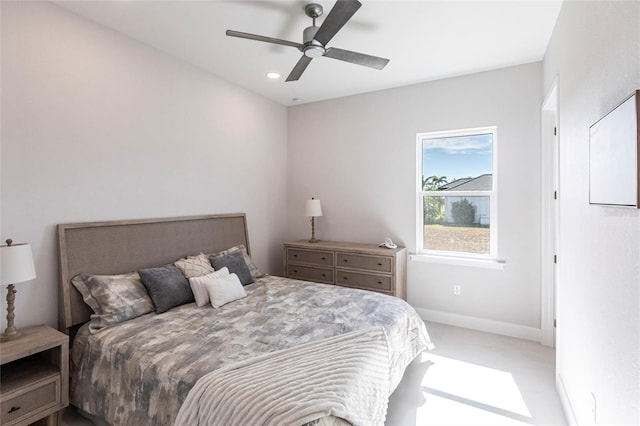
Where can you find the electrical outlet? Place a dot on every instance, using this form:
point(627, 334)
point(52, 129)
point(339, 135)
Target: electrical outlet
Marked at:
point(457, 290)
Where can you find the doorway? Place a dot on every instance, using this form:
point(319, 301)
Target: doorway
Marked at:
point(550, 215)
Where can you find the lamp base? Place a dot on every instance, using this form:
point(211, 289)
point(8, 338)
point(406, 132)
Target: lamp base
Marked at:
point(11, 332)
point(10, 335)
point(313, 231)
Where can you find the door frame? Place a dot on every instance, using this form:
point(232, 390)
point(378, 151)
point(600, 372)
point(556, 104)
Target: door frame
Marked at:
point(550, 223)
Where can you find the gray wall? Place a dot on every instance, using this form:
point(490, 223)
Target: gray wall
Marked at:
point(96, 126)
point(358, 156)
point(595, 54)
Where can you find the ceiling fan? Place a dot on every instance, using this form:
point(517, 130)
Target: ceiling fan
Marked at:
point(315, 38)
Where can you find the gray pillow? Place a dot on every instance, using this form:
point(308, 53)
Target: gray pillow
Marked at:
point(236, 264)
point(255, 272)
point(167, 286)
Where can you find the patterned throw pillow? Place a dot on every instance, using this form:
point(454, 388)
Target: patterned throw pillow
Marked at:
point(255, 272)
point(223, 290)
point(194, 266)
point(113, 298)
point(199, 285)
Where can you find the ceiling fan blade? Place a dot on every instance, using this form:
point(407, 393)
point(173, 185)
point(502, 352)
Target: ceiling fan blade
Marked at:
point(341, 12)
point(265, 39)
point(299, 68)
point(356, 58)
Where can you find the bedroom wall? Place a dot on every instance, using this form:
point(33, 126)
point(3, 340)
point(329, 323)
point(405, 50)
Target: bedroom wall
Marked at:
point(96, 126)
point(595, 54)
point(357, 155)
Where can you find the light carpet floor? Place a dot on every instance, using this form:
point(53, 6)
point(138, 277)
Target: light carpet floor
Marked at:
point(476, 378)
point(470, 378)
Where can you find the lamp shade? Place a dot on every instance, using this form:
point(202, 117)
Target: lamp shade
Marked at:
point(16, 264)
point(312, 208)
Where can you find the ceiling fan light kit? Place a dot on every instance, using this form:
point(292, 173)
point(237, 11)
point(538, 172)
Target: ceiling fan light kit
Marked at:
point(316, 38)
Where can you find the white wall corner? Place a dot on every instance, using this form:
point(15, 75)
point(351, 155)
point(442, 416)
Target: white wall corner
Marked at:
point(481, 324)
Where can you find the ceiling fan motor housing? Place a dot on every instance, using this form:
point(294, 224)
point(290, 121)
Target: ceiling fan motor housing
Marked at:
point(312, 48)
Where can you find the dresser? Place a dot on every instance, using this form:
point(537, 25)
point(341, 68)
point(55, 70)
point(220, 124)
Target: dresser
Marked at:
point(363, 266)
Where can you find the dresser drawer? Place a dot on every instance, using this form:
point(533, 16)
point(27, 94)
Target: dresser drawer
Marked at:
point(321, 275)
point(363, 281)
point(39, 397)
point(368, 262)
point(322, 258)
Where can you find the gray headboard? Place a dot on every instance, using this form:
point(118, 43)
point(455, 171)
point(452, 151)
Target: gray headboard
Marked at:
point(128, 245)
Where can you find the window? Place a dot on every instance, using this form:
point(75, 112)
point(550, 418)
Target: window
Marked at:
point(456, 181)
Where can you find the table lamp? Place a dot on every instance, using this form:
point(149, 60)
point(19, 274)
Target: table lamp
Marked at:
point(313, 209)
point(16, 266)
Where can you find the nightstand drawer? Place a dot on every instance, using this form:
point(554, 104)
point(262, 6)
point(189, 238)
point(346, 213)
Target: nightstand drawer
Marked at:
point(357, 261)
point(363, 281)
point(322, 258)
point(38, 398)
point(321, 275)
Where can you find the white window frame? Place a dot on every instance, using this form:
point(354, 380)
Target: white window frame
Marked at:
point(474, 259)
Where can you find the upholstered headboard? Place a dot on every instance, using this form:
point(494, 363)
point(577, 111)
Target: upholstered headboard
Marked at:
point(123, 246)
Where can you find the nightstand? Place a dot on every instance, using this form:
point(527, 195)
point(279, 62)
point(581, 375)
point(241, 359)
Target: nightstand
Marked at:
point(363, 266)
point(34, 376)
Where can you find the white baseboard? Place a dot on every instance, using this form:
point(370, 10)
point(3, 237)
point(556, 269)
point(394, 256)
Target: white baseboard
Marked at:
point(481, 324)
point(569, 415)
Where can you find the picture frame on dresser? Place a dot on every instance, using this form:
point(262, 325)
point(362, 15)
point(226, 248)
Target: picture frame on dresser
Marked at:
point(355, 265)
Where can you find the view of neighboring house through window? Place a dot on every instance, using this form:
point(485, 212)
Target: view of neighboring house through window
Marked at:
point(457, 197)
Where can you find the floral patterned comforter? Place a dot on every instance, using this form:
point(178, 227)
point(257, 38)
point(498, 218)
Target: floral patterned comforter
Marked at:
point(140, 371)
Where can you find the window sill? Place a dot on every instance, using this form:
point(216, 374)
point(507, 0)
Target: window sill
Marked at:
point(460, 261)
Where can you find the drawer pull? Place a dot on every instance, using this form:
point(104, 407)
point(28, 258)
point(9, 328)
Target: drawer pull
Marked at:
point(379, 264)
point(323, 258)
point(13, 409)
point(346, 260)
point(324, 275)
point(295, 255)
point(295, 271)
point(346, 278)
point(379, 282)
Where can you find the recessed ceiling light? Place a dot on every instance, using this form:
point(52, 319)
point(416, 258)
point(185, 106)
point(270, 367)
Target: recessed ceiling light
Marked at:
point(273, 75)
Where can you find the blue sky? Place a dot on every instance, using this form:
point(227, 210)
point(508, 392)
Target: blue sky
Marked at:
point(457, 157)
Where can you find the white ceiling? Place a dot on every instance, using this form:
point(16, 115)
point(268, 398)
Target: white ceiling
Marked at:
point(424, 40)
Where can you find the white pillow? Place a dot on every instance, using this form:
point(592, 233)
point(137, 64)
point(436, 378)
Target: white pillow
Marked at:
point(223, 290)
point(199, 285)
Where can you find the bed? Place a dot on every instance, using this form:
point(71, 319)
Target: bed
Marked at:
point(289, 351)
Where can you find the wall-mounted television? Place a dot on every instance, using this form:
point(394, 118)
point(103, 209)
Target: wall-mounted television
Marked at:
point(614, 149)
